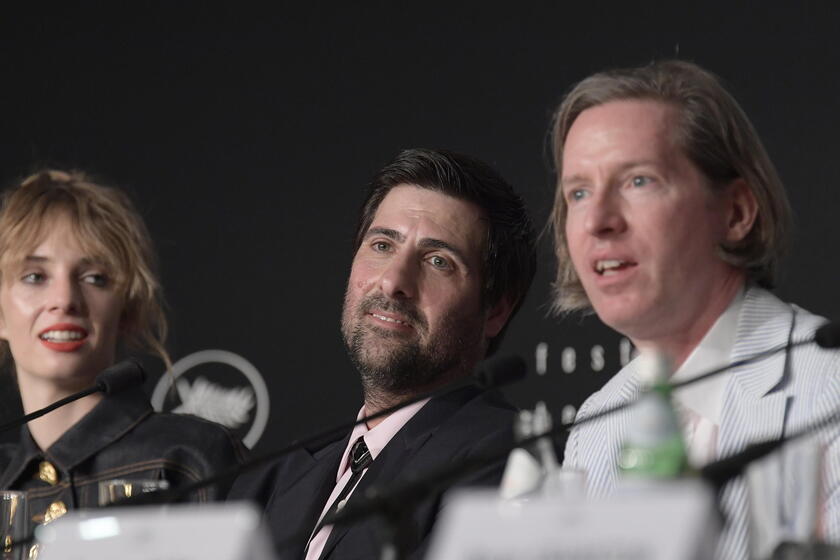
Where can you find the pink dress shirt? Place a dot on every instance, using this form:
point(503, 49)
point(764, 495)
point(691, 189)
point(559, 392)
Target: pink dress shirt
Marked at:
point(376, 439)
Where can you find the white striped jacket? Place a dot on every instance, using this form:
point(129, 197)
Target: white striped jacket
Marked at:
point(763, 400)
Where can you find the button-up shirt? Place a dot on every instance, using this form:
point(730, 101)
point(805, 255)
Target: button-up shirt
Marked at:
point(376, 439)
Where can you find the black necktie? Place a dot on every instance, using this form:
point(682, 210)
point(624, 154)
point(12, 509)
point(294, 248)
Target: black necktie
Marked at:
point(360, 458)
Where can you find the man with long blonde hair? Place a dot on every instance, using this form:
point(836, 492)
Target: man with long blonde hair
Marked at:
point(669, 222)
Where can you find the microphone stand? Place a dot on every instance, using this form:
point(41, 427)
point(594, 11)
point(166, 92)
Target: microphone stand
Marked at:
point(46, 410)
point(112, 380)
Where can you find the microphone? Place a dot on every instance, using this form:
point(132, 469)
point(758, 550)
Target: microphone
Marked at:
point(828, 335)
point(120, 376)
point(113, 379)
point(492, 373)
point(500, 370)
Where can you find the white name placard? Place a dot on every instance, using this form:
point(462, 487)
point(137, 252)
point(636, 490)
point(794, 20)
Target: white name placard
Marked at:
point(230, 531)
point(662, 521)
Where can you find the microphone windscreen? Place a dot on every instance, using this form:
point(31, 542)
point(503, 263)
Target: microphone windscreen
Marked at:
point(120, 376)
point(828, 335)
point(501, 370)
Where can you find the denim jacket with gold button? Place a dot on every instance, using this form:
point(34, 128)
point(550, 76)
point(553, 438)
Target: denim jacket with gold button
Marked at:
point(121, 438)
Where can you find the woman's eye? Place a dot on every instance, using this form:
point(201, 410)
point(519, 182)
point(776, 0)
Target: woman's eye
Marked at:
point(32, 278)
point(95, 279)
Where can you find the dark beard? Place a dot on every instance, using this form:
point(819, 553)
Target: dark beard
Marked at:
point(398, 369)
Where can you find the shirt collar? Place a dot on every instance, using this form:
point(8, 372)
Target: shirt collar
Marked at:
point(377, 438)
point(715, 349)
point(705, 398)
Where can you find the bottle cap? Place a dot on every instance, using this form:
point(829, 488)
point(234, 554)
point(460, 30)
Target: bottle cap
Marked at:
point(654, 367)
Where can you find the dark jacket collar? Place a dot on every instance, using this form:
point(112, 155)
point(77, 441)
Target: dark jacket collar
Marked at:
point(107, 422)
point(399, 451)
point(433, 415)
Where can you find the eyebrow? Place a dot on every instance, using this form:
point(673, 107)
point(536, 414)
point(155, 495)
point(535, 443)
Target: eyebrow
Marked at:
point(86, 261)
point(387, 232)
point(573, 180)
point(623, 168)
point(425, 243)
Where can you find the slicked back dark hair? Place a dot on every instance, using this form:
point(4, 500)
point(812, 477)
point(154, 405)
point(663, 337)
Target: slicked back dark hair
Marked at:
point(509, 261)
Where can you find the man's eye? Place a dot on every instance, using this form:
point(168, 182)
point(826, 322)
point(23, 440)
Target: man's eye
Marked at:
point(381, 246)
point(439, 262)
point(95, 279)
point(575, 195)
point(640, 181)
point(32, 278)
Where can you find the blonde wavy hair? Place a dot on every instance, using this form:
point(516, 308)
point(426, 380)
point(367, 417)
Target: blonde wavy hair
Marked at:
point(108, 227)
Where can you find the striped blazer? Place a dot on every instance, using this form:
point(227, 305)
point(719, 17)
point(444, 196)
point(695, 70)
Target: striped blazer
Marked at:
point(762, 400)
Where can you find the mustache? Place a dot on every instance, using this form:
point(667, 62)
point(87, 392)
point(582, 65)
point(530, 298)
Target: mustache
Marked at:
point(378, 302)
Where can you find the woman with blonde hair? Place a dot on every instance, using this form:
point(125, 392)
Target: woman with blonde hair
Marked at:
point(77, 285)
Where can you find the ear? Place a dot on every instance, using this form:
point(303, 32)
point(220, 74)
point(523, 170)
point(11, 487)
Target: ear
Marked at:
point(497, 317)
point(741, 212)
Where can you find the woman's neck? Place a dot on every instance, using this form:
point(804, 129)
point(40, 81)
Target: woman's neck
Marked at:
point(48, 428)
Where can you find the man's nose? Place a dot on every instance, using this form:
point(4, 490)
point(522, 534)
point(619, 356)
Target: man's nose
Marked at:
point(65, 296)
point(399, 278)
point(605, 215)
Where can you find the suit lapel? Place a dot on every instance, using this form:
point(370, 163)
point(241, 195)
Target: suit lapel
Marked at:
point(308, 482)
point(595, 446)
point(396, 458)
point(753, 408)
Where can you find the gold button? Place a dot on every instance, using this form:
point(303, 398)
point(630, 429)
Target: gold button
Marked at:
point(47, 473)
point(56, 510)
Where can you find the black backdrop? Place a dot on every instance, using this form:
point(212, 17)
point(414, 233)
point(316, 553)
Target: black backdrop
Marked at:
point(246, 137)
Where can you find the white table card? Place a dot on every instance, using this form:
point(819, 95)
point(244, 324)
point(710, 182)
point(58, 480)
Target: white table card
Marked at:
point(229, 531)
point(649, 521)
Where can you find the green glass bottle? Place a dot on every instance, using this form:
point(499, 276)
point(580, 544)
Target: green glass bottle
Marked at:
point(653, 447)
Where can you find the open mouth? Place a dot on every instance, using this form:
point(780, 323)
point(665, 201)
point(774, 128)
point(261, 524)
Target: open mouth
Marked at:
point(388, 319)
point(609, 267)
point(62, 336)
point(391, 315)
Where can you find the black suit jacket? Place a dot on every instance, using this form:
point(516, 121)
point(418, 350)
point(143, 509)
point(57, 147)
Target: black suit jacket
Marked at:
point(445, 431)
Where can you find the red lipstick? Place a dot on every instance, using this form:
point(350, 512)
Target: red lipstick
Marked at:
point(63, 343)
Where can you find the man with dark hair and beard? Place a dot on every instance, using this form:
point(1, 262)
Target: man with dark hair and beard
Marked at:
point(445, 253)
